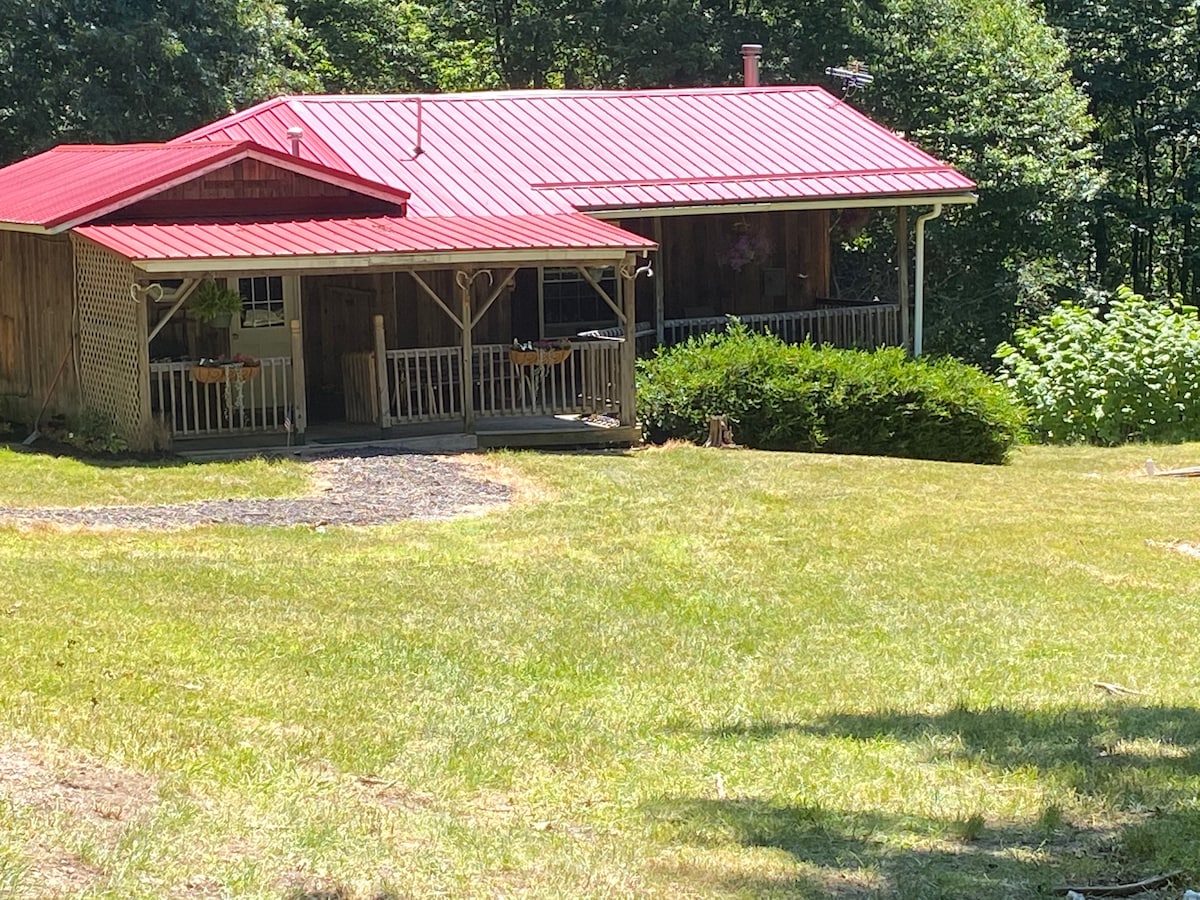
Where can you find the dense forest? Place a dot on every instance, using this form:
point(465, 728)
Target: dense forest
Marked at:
point(1079, 121)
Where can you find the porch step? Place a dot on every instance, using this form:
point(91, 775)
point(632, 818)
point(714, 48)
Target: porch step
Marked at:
point(432, 443)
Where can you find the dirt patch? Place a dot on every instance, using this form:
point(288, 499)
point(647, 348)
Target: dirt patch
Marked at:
point(101, 801)
point(31, 778)
point(486, 467)
point(372, 487)
point(1187, 548)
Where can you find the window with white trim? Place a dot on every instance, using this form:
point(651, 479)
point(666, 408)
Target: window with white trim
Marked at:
point(571, 305)
point(262, 302)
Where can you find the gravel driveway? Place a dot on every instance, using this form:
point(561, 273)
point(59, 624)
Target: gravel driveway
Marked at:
point(366, 488)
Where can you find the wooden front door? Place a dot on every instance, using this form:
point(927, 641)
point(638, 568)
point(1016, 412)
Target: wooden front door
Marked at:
point(269, 304)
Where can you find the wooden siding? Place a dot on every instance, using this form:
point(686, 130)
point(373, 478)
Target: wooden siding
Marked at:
point(793, 259)
point(250, 186)
point(37, 295)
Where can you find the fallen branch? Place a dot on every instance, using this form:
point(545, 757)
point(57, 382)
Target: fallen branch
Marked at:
point(1117, 689)
point(1120, 890)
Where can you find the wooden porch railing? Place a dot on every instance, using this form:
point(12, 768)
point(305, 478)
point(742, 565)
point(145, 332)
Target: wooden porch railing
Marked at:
point(425, 385)
point(191, 408)
point(867, 326)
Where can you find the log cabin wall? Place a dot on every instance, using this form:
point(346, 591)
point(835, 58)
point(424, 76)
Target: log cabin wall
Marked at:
point(37, 300)
point(751, 263)
point(254, 187)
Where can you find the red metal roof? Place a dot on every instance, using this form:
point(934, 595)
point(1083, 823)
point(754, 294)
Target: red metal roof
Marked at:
point(74, 183)
point(382, 235)
point(522, 152)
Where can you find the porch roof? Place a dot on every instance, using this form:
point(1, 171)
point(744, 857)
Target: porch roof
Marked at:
point(377, 241)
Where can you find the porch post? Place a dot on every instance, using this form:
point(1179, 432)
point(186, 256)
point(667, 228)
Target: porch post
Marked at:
point(660, 287)
point(902, 272)
point(468, 361)
point(381, 374)
point(628, 272)
point(299, 398)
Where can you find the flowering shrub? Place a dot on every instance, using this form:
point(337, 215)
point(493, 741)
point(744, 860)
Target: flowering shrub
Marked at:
point(1130, 371)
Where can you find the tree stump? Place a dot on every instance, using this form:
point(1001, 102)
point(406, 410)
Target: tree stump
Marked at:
point(720, 435)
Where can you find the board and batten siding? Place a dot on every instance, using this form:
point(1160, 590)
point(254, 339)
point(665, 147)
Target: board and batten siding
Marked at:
point(699, 281)
point(37, 295)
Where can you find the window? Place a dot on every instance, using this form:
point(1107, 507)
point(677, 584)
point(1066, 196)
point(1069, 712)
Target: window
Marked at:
point(262, 302)
point(571, 305)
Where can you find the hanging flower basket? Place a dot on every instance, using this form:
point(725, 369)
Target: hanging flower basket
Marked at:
point(216, 372)
point(551, 357)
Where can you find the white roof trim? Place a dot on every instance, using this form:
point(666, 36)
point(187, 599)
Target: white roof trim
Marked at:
point(338, 262)
point(707, 209)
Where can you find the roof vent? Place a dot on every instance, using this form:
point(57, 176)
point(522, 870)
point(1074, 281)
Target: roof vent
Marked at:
point(751, 53)
point(296, 136)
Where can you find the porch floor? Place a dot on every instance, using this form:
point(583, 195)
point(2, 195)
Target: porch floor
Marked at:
point(443, 437)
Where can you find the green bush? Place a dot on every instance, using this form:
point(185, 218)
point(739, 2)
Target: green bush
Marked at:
point(1130, 371)
point(784, 397)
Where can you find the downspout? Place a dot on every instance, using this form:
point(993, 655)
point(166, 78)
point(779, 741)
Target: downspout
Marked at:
point(919, 306)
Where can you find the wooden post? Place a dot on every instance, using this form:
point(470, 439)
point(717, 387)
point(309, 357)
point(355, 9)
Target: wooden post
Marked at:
point(299, 398)
point(902, 273)
point(145, 427)
point(628, 272)
point(660, 287)
point(381, 373)
point(468, 352)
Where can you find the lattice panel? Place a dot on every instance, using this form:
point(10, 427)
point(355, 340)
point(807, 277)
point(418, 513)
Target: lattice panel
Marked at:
point(111, 341)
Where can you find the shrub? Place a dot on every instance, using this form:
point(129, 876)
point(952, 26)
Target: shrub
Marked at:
point(1106, 376)
point(783, 397)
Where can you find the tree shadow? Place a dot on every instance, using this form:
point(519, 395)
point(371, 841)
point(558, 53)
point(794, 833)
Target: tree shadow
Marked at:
point(126, 460)
point(1137, 766)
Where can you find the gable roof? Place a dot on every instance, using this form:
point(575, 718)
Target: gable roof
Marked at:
point(522, 152)
point(77, 183)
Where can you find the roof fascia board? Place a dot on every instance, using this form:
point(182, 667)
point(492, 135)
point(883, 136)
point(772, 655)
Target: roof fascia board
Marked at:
point(368, 261)
point(642, 212)
point(24, 227)
point(238, 152)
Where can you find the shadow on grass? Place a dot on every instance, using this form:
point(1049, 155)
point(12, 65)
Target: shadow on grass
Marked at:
point(1134, 769)
point(126, 460)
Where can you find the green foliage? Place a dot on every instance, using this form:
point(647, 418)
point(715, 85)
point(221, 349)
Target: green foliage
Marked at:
point(1137, 62)
point(1106, 375)
point(214, 301)
point(783, 397)
point(985, 86)
point(92, 432)
point(86, 70)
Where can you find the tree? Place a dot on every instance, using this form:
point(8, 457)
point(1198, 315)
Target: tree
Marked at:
point(89, 70)
point(1136, 59)
point(984, 85)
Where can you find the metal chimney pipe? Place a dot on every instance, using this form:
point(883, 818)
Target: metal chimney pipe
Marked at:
point(751, 53)
point(296, 136)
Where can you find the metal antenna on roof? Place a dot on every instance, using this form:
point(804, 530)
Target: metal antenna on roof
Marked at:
point(853, 75)
point(418, 149)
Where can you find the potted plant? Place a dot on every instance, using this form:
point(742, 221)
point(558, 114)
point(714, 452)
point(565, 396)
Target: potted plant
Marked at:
point(215, 304)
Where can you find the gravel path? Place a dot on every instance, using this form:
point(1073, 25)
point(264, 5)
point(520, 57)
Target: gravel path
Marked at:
point(367, 488)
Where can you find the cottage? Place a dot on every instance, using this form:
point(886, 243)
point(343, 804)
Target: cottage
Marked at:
point(476, 264)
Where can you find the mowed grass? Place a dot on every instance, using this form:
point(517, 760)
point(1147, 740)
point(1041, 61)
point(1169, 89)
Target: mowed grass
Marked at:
point(30, 478)
point(678, 673)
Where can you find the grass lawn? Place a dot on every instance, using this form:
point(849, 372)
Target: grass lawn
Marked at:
point(677, 673)
point(35, 479)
